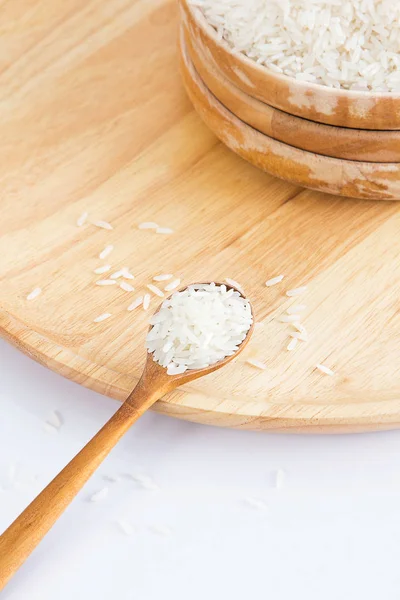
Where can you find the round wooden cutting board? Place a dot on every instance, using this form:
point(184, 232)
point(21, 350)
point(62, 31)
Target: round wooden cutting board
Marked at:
point(93, 117)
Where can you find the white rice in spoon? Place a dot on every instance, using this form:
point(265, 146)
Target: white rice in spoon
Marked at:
point(198, 327)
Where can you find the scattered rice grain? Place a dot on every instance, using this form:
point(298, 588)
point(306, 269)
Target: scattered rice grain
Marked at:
point(99, 495)
point(324, 369)
point(55, 419)
point(127, 287)
point(234, 284)
point(289, 318)
point(296, 291)
point(160, 530)
point(111, 478)
point(292, 344)
point(117, 274)
point(82, 219)
point(148, 225)
point(274, 280)
point(101, 270)
point(255, 503)
point(155, 290)
point(106, 282)
point(50, 428)
point(102, 317)
point(258, 364)
point(144, 481)
point(173, 285)
point(296, 308)
point(280, 477)
point(136, 303)
point(107, 250)
point(164, 230)
point(124, 526)
point(127, 274)
point(34, 294)
point(103, 225)
point(163, 277)
point(146, 301)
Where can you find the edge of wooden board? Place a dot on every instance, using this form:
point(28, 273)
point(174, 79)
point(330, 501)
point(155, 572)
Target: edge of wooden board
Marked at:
point(293, 418)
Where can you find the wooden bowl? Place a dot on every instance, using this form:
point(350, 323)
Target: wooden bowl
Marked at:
point(356, 179)
point(338, 142)
point(359, 110)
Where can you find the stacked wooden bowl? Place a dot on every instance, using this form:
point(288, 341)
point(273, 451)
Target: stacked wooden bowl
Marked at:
point(337, 141)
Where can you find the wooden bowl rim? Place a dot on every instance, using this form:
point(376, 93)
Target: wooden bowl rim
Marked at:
point(304, 86)
point(321, 162)
point(355, 135)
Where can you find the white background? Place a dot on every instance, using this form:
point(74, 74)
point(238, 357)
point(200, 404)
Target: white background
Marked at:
point(331, 531)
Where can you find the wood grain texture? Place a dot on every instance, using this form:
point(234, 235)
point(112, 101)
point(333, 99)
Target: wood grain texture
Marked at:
point(378, 181)
point(338, 142)
point(96, 119)
point(319, 103)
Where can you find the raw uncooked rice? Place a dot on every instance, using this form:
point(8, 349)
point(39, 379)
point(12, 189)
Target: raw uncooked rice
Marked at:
point(289, 318)
point(146, 301)
point(103, 225)
point(292, 344)
point(164, 230)
point(274, 280)
point(100, 495)
point(107, 250)
point(234, 284)
point(172, 286)
point(353, 45)
point(296, 308)
point(101, 270)
point(102, 317)
point(163, 277)
point(296, 291)
point(325, 370)
point(82, 219)
point(127, 287)
point(136, 303)
point(155, 290)
point(198, 326)
point(106, 282)
point(34, 293)
point(258, 364)
point(148, 225)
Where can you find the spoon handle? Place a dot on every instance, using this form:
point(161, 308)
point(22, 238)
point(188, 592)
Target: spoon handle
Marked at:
point(24, 534)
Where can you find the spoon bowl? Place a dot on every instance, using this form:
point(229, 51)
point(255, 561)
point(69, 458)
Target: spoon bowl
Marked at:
point(23, 535)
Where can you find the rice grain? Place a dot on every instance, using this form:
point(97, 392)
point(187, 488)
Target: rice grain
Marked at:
point(296, 291)
point(155, 290)
point(101, 270)
point(173, 285)
point(324, 369)
point(163, 277)
point(146, 301)
point(103, 225)
point(102, 317)
point(148, 225)
point(274, 280)
point(107, 250)
point(258, 364)
point(104, 282)
point(82, 219)
point(136, 303)
point(34, 293)
point(127, 287)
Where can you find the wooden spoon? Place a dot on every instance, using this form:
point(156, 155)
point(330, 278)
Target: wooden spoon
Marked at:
point(23, 535)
